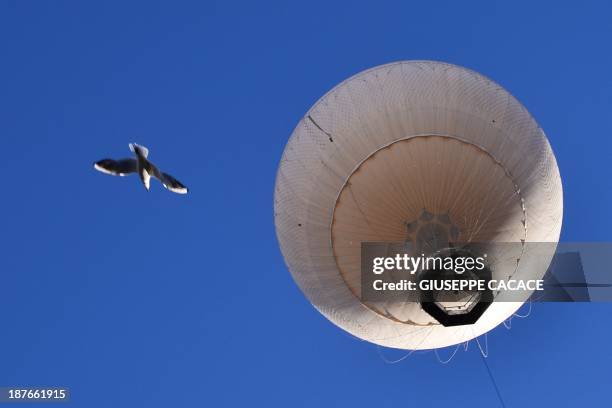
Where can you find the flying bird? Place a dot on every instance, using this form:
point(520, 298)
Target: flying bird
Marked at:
point(143, 167)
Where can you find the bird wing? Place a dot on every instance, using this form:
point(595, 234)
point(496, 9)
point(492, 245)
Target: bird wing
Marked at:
point(120, 167)
point(168, 181)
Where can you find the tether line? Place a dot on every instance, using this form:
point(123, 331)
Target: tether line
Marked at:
point(501, 400)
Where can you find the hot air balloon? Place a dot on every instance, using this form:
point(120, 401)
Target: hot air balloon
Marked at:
point(419, 152)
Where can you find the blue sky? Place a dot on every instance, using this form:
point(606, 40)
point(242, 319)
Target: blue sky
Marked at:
point(153, 299)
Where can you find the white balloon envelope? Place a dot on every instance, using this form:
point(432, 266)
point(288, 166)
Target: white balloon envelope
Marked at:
point(398, 152)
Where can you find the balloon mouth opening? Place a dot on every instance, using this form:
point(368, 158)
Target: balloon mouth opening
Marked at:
point(450, 306)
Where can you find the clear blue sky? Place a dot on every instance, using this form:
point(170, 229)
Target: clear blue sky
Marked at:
point(153, 299)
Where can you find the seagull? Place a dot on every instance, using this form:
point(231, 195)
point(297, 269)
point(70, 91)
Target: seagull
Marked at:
point(143, 167)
